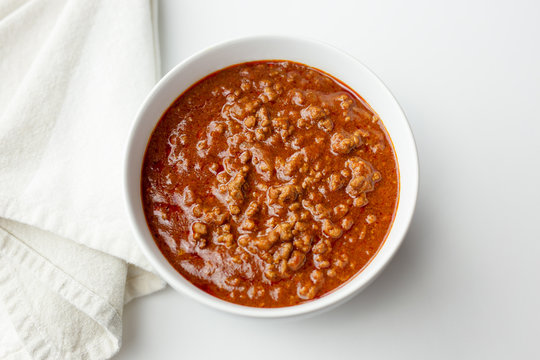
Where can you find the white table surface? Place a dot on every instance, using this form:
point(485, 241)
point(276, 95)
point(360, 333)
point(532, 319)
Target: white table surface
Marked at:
point(466, 282)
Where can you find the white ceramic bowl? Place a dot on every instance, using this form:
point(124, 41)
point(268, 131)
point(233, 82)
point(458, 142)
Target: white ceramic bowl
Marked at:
point(309, 52)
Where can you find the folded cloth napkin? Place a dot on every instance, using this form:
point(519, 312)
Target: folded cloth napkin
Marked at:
point(72, 75)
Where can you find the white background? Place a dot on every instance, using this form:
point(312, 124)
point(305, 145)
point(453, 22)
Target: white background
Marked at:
point(466, 283)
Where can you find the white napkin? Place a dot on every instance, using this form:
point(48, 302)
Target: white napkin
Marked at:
point(72, 75)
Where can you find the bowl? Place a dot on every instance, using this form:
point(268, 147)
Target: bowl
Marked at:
point(309, 52)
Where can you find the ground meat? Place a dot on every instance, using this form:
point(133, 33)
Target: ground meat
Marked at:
point(343, 143)
point(235, 187)
point(269, 184)
point(284, 194)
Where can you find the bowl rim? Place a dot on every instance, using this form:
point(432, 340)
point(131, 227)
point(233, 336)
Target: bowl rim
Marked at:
point(177, 281)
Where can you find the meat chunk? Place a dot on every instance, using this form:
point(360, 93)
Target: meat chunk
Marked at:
point(314, 113)
point(284, 194)
point(235, 187)
point(343, 143)
point(362, 177)
point(296, 260)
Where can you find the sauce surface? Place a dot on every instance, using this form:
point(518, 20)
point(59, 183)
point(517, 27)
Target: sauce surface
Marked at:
point(269, 183)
